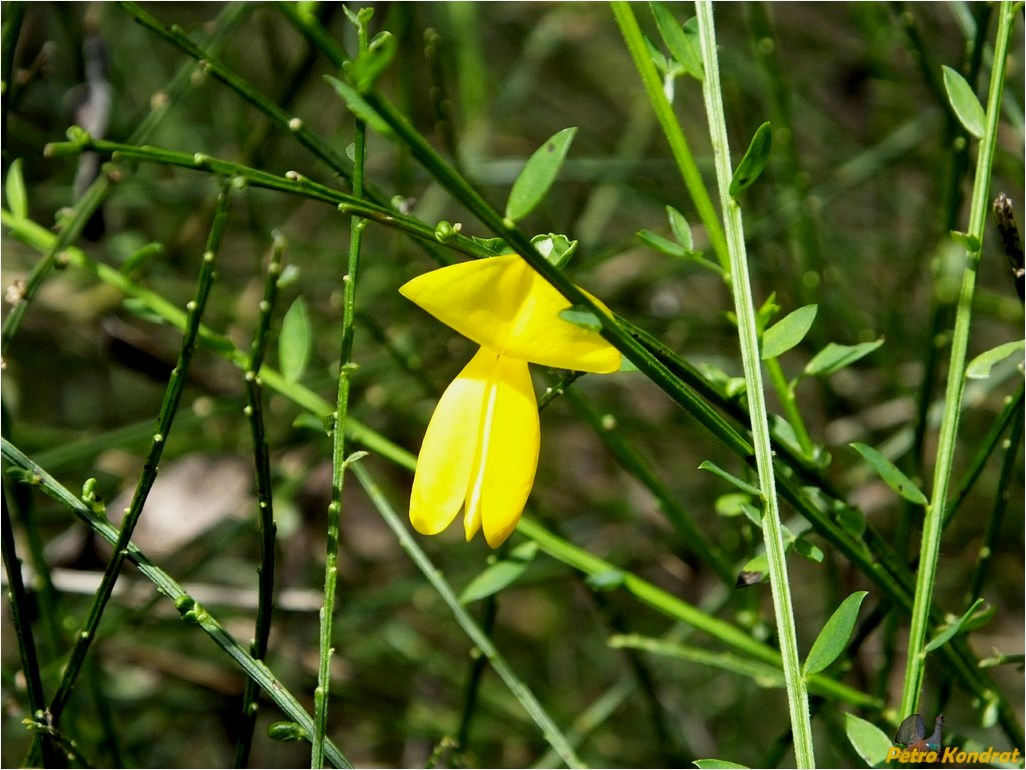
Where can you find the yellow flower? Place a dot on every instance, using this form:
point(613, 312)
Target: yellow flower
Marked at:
point(480, 450)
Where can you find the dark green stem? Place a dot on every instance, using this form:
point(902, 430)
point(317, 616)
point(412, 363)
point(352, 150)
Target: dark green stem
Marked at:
point(265, 508)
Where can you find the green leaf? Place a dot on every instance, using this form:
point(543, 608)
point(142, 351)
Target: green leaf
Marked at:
point(287, 732)
point(944, 636)
point(788, 331)
point(17, 200)
point(680, 227)
point(364, 70)
point(359, 107)
point(664, 245)
point(538, 175)
point(979, 368)
point(835, 357)
point(295, 341)
point(683, 46)
point(712, 764)
point(809, 550)
point(894, 478)
point(835, 634)
point(967, 241)
point(744, 486)
point(580, 316)
point(557, 249)
point(867, 739)
point(500, 574)
point(754, 161)
point(964, 102)
point(606, 581)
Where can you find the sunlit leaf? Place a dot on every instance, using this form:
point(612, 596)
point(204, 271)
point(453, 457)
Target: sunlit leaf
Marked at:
point(295, 341)
point(834, 636)
point(979, 368)
point(893, 477)
point(835, 357)
point(964, 102)
point(867, 739)
point(744, 486)
point(538, 175)
point(788, 331)
point(17, 199)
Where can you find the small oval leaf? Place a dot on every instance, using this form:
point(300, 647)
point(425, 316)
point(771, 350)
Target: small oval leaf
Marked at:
point(835, 357)
point(788, 331)
point(713, 764)
point(17, 200)
point(835, 634)
point(680, 227)
point(887, 471)
point(867, 739)
point(754, 161)
point(538, 175)
point(964, 102)
point(979, 368)
point(295, 341)
point(664, 245)
point(580, 316)
point(500, 574)
point(967, 241)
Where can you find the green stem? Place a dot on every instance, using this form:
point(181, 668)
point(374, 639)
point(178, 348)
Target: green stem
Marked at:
point(797, 693)
point(265, 509)
point(172, 397)
point(338, 446)
point(671, 128)
point(552, 734)
point(166, 585)
point(933, 524)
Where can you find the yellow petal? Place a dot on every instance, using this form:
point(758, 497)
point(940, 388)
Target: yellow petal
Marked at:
point(503, 304)
point(447, 454)
point(507, 456)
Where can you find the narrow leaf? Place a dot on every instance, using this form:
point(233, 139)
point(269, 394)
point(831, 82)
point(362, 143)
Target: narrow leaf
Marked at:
point(942, 638)
point(17, 200)
point(711, 764)
point(835, 634)
point(979, 368)
point(295, 341)
point(664, 245)
point(744, 486)
point(682, 47)
point(538, 175)
point(359, 107)
point(364, 70)
point(788, 331)
point(754, 161)
point(500, 574)
point(894, 478)
point(867, 739)
point(835, 357)
point(964, 102)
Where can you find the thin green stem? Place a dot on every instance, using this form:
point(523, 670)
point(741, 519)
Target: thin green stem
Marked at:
point(797, 693)
point(166, 585)
point(552, 734)
point(933, 525)
point(671, 128)
point(338, 446)
point(172, 397)
point(265, 509)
